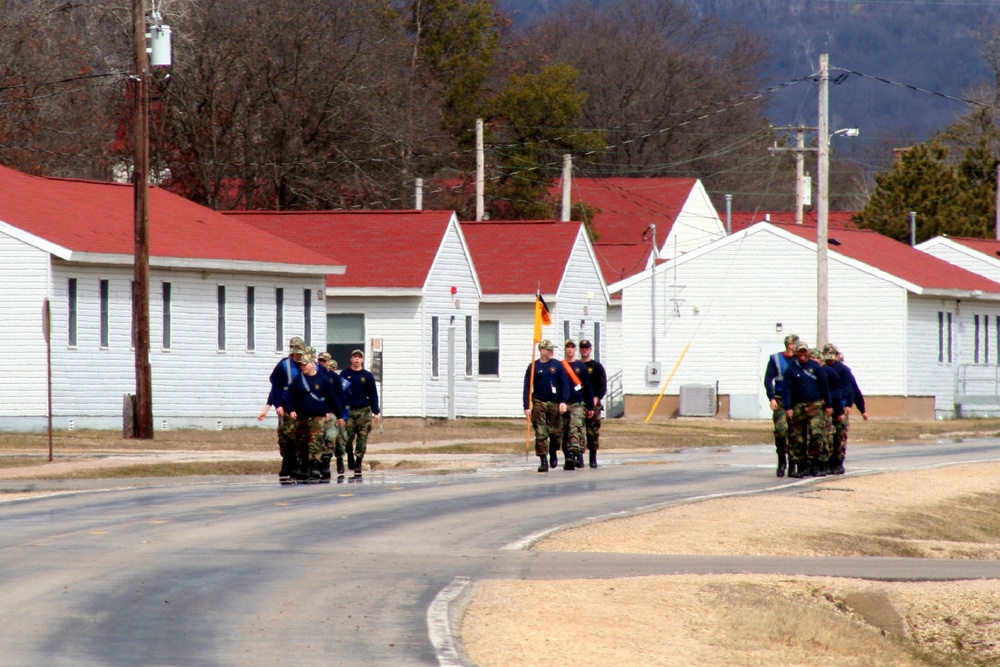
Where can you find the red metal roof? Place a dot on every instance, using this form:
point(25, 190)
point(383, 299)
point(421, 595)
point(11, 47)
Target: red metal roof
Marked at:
point(619, 261)
point(989, 247)
point(99, 217)
point(389, 249)
point(744, 219)
point(521, 256)
point(897, 259)
point(627, 206)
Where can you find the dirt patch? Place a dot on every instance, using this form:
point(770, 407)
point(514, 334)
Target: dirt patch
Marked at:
point(717, 621)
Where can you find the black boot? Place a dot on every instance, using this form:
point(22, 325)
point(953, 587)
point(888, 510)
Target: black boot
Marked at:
point(780, 444)
point(544, 467)
point(350, 458)
point(593, 458)
point(793, 469)
point(570, 461)
point(553, 455)
point(288, 466)
point(822, 468)
point(357, 466)
point(579, 459)
point(837, 466)
point(340, 466)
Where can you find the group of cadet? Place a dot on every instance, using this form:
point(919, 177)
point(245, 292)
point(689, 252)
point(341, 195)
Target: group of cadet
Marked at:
point(812, 393)
point(563, 400)
point(322, 412)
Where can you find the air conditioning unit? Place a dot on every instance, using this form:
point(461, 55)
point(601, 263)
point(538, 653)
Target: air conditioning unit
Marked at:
point(697, 400)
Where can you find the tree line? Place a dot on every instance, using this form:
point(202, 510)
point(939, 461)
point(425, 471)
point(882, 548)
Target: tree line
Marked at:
point(319, 104)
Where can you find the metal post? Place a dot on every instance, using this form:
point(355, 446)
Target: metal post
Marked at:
point(913, 228)
point(140, 302)
point(729, 215)
point(418, 203)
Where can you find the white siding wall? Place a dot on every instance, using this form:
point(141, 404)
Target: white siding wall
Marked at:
point(23, 276)
point(404, 325)
point(581, 290)
point(742, 290)
point(397, 321)
point(452, 268)
point(964, 373)
point(502, 396)
point(967, 259)
point(613, 354)
point(194, 383)
point(696, 224)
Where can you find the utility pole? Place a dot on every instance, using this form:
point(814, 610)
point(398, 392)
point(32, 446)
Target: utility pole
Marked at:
point(567, 198)
point(480, 171)
point(823, 203)
point(800, 180)
point(140, 282)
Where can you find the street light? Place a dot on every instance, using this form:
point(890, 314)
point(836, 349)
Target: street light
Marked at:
point(847, 132)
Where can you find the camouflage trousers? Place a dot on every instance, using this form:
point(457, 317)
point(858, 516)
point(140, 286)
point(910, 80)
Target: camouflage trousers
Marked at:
point(780, 419)
point(593, 425)
point(574, 431)
point(286, 436)
point(841, 428)
point(806, 432)
point(359, 425)
point(336, 439)
point(546, 422)
point(310, 438)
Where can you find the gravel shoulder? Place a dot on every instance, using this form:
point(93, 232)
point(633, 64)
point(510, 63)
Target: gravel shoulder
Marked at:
point(719, 621)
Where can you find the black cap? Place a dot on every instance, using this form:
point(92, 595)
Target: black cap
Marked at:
point(585, 343)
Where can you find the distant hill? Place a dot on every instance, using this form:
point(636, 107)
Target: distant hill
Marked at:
point(923, 45)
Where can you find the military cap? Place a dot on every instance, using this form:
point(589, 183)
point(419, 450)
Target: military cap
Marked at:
point(334, 365)
point(791, 338)
point(296, 341)
point(307, 358)
point(570, 343)
point(546, 344)
point(815, 353)
point(801, 345)
point(829, 355)
point(830, 347)
point(358, 353)
point(585, 343)
point(324, 356)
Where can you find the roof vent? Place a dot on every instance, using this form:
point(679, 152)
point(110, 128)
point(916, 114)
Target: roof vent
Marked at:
point(833, 241)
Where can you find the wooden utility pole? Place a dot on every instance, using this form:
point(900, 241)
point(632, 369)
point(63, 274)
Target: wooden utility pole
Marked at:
point(823, 203)
point(480, 171)
point(140, 281)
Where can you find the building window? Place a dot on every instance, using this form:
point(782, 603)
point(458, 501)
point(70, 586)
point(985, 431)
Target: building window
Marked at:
point(345, 332)
point(105, 289)
point(949, 338)
point(251, 318)
point(975, 346)
point(597, 341)
point(566, 335)
point(307, 314)
point(489, 347)
point(435, 347)
point(279, 319)
point(166, 315)
point(468, 346)
point(221, 291)
point(71, 301)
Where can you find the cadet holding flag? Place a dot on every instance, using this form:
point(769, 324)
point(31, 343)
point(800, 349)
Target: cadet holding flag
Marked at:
point(546, 391)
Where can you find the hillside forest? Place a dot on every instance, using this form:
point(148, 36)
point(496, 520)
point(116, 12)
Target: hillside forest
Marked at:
point(331, 104)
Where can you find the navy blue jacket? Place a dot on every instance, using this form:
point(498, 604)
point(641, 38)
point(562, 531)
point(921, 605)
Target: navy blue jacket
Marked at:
point(851, 392)
point(804, 383)
point(284, 372)
point(362, 392)
point(598, 378)
point(313, 396)
point(774, 373)
point(551, 382)
point(581, 393)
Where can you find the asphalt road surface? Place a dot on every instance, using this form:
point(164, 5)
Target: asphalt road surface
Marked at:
point(247, 572)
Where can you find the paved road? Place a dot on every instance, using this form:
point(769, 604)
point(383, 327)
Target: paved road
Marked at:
point(248, 573)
